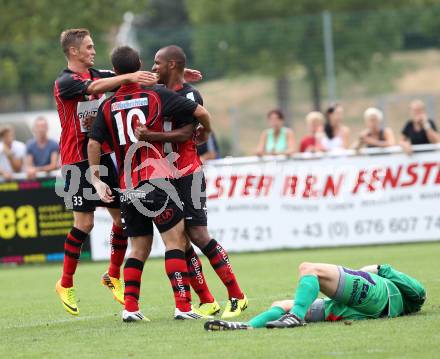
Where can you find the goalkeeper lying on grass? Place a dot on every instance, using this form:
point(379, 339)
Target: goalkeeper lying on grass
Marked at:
point(373, 292)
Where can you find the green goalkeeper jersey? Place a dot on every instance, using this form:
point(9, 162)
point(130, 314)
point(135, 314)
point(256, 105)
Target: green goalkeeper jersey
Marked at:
point(363, 295)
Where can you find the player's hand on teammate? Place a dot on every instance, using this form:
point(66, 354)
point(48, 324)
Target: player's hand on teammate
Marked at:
point(145, 78)
point(192, 75)
point(201, 135)
point(87, 122)
point(141, 133)
point(104, 191)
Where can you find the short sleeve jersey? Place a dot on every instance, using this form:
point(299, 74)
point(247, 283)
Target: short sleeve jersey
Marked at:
point(73, 105)
point(132, 106)
point(189, 160)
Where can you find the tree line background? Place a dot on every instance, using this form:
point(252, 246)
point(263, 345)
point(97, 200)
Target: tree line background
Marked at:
point(224, 39)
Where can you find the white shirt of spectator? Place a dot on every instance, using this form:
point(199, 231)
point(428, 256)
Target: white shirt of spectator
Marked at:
point(333, 144)
point(18, 150)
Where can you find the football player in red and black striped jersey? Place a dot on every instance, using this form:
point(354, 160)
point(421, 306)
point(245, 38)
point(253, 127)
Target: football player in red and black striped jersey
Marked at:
point(169, 64)
point(78, 91)
point(145, 171)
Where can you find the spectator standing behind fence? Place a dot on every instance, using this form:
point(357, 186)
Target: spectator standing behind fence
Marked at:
point(12, 153)
point(337, 135)
point(209, 150)
point(375, 135)
point(312, 142)
point(278, 139)
point(41, 152)
point(419, 130)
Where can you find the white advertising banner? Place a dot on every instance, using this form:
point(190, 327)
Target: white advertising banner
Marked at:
point(328, 201)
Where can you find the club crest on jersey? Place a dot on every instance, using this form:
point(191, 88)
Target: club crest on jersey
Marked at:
point(123, 105)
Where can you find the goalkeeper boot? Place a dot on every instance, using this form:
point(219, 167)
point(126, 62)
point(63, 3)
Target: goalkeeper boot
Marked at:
point(215, 325)
point(115, 285)
point(288, 320)
point(235, 307)
point(191, 315)
point(129, 317)
point(68, 298)
point(209, 308)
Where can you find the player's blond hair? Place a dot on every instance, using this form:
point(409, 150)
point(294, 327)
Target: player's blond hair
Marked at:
point(72, 37)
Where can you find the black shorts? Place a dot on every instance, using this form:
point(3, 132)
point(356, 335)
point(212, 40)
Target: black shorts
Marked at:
point(79, 193)
point(147, 204)
point(192, 192)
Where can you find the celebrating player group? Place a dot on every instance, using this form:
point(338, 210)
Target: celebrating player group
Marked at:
point(152, 131)
point(135, 153)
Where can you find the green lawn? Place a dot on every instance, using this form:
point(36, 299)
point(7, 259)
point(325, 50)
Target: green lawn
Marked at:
point(34, 325)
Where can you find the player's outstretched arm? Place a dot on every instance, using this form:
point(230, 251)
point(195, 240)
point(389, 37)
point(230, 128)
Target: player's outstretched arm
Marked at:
point(145, 78)
point(179, 135)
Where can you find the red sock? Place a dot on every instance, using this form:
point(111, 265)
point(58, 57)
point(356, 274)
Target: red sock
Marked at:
point(72, 251)
point(196, 277)
point(119, 245)
point(220, 262)
point(132, 280)
point(177, 271)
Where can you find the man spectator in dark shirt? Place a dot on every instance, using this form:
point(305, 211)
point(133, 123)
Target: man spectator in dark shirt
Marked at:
point(41, 152)
point(419, 130)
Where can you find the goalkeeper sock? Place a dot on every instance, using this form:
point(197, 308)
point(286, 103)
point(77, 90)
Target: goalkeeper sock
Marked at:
point(118, 243)
point(306, 293)
point(196, 276)
point(261, 319)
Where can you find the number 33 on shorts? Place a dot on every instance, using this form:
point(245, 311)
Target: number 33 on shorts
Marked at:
point(77, 200)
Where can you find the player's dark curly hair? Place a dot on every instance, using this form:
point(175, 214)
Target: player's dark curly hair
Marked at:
point(125, 60)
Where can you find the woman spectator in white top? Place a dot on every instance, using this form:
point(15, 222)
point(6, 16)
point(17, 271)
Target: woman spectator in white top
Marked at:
point(375, 135)
point(338, 135)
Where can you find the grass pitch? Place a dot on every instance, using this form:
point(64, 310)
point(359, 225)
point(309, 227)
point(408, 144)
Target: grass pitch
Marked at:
point(34, 325)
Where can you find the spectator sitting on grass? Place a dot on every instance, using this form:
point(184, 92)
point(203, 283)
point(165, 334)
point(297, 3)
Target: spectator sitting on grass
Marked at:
point(278, 139)
point(312, 142)
point(42, 152)
point(375, 135)
point(419, 130)
point(12, 153)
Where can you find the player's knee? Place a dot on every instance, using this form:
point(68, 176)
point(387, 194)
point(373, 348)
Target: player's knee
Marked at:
point(286, 305)
point(200, 237)
point(140, 253)
point(85, 225)
point(306, 268)
point(117, 222)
